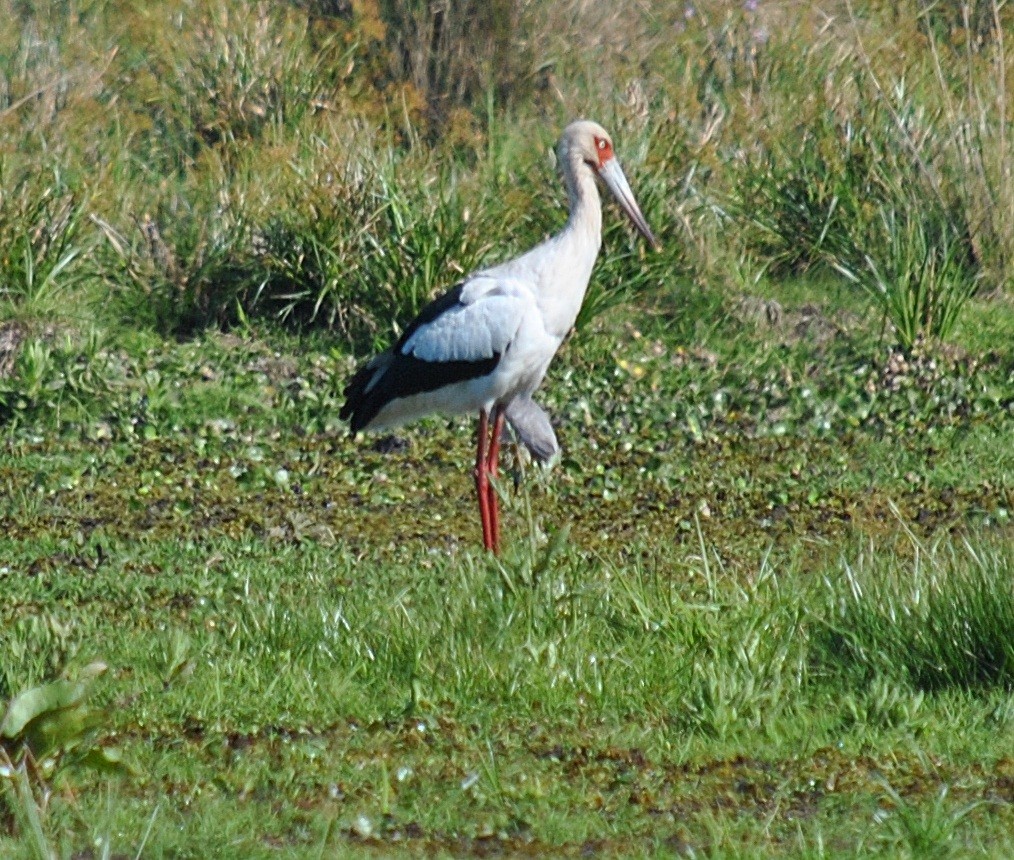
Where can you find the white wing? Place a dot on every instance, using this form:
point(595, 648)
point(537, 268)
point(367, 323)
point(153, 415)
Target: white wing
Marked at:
point(478, 326)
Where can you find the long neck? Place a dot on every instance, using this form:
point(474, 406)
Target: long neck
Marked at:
point(560, 267)
point(585, 219)
point(570, 255)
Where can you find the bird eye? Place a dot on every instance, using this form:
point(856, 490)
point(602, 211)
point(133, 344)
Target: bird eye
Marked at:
point(604, 154)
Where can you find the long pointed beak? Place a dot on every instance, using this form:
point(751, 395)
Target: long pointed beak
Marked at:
point(612, 175)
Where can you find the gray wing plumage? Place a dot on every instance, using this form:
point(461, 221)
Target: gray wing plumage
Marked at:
point(533, 428)
point(478, 326)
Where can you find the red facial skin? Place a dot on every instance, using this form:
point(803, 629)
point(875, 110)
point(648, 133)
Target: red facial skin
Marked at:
point(605, 150)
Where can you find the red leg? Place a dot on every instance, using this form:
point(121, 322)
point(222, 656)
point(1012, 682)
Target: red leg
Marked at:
point(492, 469)
point(482, 481)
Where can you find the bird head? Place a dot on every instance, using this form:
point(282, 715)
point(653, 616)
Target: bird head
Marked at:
point(587, 143)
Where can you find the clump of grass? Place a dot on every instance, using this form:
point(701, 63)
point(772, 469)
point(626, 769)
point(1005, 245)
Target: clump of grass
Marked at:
point(42, 244)
point(359, 251)
point(895, 174)
point(51, 77)
point(918, 272)
point(735, 50)
point(941, 619)
point(802, 202)
point(181, 269)
point(747, 662)
point(56, 376)
point(245, 69)
point(973, 23)
point(925, 830)
point(970, 73)
point(861, 196)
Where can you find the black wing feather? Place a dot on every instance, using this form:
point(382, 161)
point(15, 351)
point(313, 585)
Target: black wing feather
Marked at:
point(406, 375)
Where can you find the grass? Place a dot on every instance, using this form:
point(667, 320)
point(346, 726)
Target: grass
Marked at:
point(279, 685)
point(40, 261)
point(306, 644)
point(760, 607)
point(939, 622)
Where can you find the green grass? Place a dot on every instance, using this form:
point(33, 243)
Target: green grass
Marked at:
point(42, 248)
point(692, 639)
point(761, 605)
point(293, 691)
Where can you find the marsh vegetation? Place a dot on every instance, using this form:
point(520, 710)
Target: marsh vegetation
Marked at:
point(762, 605)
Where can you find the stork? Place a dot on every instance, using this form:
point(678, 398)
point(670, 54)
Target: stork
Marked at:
point(485, 345)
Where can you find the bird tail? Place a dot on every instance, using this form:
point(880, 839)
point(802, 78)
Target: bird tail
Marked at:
point(361, 401)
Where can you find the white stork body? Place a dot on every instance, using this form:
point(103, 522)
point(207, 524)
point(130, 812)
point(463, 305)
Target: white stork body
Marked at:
point(494, 316)
point(485, 346)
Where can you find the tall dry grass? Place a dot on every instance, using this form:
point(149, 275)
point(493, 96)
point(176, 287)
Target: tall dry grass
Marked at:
point(772, 135)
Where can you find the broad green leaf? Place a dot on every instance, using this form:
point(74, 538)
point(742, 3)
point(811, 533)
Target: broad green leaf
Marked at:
point(33, 703)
